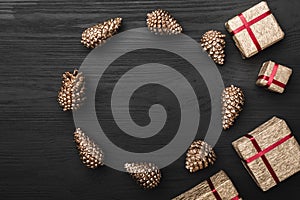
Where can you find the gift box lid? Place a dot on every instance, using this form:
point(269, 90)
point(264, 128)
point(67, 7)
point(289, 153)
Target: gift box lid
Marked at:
point(249, 14)
point(261, 30)
point(203, 191)
point(277, 73)
point(270, 153)
point(265, 135)
point(268, 66)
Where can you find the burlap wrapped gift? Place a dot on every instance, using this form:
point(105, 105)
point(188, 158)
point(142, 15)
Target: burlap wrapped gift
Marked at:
point(270, 153)
point(255, 29)
point(219, 187)
point(273, 76)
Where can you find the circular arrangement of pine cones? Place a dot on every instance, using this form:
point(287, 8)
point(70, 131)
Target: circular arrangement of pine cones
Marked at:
point(162, 22)
point(145, 174)
point(71, 94)
point(214, 43)
point(232, 101)
point(199, 156)
point(90, 154)
point(97, 34)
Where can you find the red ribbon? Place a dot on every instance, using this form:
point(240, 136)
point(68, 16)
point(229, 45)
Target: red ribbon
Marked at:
point(271, 79)
point(273, 73)
point(236, 198)
point(213, 189)
point(261, 153)
point(215, 192)
point(274, 81)
point(246, 25)
point(266, 150)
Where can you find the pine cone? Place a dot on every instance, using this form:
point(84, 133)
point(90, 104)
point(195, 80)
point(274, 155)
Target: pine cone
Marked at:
point(214, 43)
point(146, 175)
point(162, 22)
point(232, 101)
point(89, 152)
point(97, 34)
point(199, 156)
point(71, 94)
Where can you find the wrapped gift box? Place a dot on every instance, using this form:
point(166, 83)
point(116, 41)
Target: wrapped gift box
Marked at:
point(270, 153)
point(273, 76)
point(255, 29)
point(219, 187)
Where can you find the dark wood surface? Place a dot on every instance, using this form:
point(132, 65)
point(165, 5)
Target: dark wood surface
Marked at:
point(39, 40)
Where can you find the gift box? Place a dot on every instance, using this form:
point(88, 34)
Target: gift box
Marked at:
point(219, 187)
point(255, 29)
point(270, 153)
point(273, 76)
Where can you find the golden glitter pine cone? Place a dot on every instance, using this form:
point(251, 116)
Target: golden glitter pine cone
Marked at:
point(162, 22)
point(90, 153)
point(97, 34)
point(214, 43)
point(232, 101)
point(147, 175)
point(199, 156)
point(71, 94)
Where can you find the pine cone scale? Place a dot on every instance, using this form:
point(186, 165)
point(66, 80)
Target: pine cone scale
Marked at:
point(199, 156)
point(71, 94)
point(97, 34)
point(232, 101)
point(146, 175)
point(162, 22)
point(214, 43)
point(90, 153)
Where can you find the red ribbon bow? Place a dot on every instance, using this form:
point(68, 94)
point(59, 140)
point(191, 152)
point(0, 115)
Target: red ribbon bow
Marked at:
point(246, 25)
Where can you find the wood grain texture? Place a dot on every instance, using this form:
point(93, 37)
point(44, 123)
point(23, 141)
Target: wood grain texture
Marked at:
point(39, 40)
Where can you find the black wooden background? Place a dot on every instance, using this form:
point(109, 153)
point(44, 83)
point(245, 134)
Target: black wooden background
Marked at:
point(39, 40)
